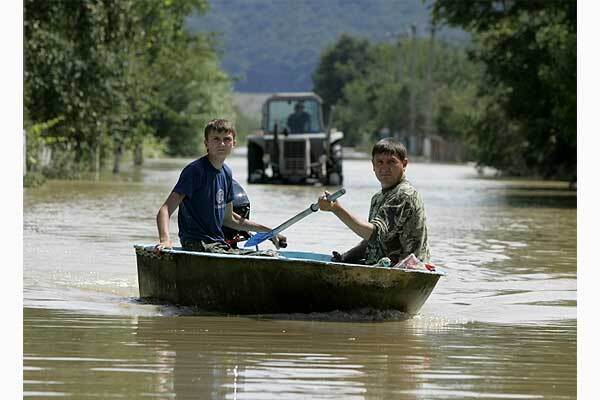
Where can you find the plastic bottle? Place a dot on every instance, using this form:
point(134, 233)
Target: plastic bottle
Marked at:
point(384, 262)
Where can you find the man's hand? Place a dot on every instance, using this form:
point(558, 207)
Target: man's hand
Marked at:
point(326, 205)
point(165, 244)
point(337, 257)
point(279, 241)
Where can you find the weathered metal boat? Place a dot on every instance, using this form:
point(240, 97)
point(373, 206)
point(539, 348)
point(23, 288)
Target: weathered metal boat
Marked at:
point(293, 282)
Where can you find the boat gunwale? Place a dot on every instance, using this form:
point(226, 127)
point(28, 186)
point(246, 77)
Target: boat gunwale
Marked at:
point(176, 250)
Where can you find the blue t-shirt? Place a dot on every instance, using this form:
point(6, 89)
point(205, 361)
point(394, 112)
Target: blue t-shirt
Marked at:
point(207, 190)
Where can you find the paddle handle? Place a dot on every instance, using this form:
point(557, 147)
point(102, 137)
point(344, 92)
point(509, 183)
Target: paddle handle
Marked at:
point(313, 208)
point(336, 195)
point(262, 236)
point(331, 197)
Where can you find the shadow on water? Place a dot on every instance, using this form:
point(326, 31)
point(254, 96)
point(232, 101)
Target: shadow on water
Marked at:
point(545, 198)
point(536, 194)
point(542, 202)
point(358, 315)
point(365, 314)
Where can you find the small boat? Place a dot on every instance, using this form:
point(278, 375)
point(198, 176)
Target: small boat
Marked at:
point(293, 282)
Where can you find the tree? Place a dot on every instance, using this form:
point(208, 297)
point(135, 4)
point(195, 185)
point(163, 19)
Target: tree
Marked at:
point(379, 97)
point(348, 59)
point(73, 73)
point(529, 52)
point(191, 90)
point(103, 75)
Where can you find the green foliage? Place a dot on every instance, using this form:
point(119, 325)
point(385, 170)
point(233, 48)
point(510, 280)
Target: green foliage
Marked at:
point(495, 139)
point(101, 76)
point(529, 52)
point(36, 140)
point(347, 60)
point(72, 67)
point(154, 147)
point(191, 90)
point(375, 91)
point(34, 179)
point(245, 125)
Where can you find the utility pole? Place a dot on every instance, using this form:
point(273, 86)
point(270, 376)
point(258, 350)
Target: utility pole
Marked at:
point(399, 77)
point(412, 111)
point(429, 111)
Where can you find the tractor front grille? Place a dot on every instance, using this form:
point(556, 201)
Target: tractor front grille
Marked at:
point(294, 157)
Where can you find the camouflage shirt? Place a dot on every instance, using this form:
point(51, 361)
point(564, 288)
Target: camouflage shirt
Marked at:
point(398, 216)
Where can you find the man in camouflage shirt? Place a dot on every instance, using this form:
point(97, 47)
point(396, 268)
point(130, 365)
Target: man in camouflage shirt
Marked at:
point(396, 226)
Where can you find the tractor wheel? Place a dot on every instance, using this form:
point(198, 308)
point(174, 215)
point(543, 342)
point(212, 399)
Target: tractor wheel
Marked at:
point(256, 171)
point(334, 172)
point(334, 179)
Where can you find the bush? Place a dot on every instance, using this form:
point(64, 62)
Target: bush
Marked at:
point(33, 179)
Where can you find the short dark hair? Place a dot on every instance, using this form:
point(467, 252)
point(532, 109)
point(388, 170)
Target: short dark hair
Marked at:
point(390, 147)
point(219, 125)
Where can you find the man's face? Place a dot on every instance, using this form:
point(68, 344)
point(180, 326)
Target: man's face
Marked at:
point(388, 169)
point(219, 144)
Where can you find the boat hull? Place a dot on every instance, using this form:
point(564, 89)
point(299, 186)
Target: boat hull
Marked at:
point(296, 282)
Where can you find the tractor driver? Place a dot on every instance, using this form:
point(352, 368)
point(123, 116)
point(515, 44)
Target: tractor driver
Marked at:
point(299, 120)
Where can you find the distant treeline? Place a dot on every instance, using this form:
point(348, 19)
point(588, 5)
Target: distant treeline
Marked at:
point(106, 76)
point(510, 96)
point(410, 88)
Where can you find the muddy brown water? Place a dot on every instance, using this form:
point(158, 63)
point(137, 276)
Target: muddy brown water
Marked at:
point(502, 324)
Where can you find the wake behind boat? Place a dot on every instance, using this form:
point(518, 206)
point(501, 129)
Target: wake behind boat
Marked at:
point(293, 282)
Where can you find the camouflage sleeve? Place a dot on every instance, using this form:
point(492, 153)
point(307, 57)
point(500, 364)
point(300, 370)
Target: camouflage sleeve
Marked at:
point(372, 207)
point(412, 232)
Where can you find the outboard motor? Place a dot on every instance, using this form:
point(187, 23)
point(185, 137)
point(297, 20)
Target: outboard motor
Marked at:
point(241, 206)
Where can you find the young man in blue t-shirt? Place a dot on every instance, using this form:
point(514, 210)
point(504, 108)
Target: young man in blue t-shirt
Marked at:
point(204, 195)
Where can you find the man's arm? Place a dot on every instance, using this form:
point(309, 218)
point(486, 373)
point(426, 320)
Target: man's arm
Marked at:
point(307, 123)
point(361, 228)
point(162, 219)
point(235, 221)
point(352, 255)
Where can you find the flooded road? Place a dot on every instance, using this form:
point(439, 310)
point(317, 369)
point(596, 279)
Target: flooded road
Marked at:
point(502, 323)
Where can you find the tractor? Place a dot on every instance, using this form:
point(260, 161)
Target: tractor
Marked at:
point(293, 145)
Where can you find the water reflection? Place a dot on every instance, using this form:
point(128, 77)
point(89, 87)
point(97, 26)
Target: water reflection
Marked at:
point(240, 358)
point(213, 358)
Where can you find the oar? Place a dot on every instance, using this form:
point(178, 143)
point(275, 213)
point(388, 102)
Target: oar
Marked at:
point(262, 236)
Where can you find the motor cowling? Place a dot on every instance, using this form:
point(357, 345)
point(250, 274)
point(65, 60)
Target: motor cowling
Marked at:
point(241, 206)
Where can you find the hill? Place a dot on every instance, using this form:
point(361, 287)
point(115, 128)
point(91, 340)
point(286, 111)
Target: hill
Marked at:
point(271, 46)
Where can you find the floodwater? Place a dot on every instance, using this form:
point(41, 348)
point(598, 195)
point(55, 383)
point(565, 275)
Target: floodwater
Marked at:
point(502, 324)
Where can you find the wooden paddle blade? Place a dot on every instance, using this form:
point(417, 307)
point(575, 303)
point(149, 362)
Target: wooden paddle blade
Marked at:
point(258, 238)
